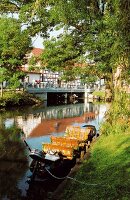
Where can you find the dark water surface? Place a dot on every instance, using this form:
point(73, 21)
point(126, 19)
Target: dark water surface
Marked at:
point(38, 124)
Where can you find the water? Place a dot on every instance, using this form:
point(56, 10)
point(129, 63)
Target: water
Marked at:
point(38, 124)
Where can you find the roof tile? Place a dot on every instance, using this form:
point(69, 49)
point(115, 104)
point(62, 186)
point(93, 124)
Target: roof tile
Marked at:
point(37, 51)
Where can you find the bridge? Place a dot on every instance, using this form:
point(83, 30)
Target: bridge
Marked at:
point(44, 91)
point(58, 90)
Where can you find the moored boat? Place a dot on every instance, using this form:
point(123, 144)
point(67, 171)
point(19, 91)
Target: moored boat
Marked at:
point(58, 157)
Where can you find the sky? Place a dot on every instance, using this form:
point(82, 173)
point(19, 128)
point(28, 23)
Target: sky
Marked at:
point(38, 41)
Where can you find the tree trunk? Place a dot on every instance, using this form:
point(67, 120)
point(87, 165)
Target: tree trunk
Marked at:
point(117, 78)
point(117, 81)
point(1, 89)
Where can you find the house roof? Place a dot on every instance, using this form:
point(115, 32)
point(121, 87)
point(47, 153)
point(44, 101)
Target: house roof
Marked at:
point(37, 51)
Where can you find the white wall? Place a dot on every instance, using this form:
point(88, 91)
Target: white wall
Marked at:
point(33, 77)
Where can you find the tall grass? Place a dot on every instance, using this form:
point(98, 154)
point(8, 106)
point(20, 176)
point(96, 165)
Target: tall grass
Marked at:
point(118, 117)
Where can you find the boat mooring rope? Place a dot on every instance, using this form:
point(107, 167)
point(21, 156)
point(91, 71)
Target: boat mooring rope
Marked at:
point(68, 177)
point(59, 178)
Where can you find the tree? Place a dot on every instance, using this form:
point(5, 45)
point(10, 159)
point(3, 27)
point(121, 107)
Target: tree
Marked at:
point(14, 44)
point(100, 27)
point(78, 44)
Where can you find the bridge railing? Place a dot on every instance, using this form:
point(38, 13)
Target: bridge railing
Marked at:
point(43, 85)
point(39, 89)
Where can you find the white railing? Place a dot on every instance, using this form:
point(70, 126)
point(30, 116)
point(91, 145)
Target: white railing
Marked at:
point(58, 89)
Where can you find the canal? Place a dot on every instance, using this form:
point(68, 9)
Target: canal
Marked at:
point(37, 123)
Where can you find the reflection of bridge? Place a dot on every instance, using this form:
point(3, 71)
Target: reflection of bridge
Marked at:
point(42, 92)
point(59, 125)
point(62, 116)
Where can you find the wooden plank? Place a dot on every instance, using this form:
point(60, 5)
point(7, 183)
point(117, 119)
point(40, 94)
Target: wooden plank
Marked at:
point(66, 151)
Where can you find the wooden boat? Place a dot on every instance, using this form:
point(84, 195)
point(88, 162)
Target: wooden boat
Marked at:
point(50, 165)
point(61, 154)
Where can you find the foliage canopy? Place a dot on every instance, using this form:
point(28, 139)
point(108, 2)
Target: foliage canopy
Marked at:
point(14, 44)
point(100, 27)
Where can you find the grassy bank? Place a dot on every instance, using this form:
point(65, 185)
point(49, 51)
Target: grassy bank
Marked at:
point(106, 174)
point(17, 98)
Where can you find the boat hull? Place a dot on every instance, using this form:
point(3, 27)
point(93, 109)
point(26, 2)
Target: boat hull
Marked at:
point(43, 168)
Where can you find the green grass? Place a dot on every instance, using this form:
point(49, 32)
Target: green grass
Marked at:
point(108, 167)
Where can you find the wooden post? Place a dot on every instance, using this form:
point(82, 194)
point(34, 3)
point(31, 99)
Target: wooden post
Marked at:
point(82, 155)
point(86, 147)
point(88, 144)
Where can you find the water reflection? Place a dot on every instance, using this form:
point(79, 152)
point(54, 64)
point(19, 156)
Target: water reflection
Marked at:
point(10, 174)
point(11, 147)
point(42, 190)
point(37, 124)
point(30, 119)
point(13, 162)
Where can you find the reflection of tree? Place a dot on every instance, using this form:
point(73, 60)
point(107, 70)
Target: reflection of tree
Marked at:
point(10, 173)
point(13, 162)
point(42, 190)
point(11, 147)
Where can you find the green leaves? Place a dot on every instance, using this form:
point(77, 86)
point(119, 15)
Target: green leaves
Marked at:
point(14, 81)
point(3, 74)
point(98, 27)
point(14, 43)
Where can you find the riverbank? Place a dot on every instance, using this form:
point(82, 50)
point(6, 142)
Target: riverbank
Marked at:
point(17, 99)
point(106, 174)
point(59, 192)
